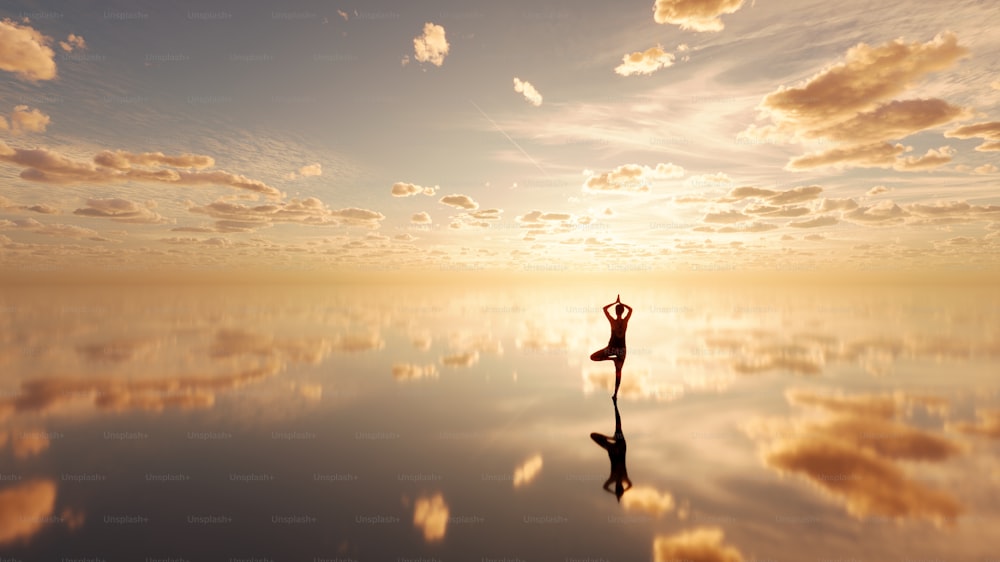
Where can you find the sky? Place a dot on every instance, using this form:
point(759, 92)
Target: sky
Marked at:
point(580, 136)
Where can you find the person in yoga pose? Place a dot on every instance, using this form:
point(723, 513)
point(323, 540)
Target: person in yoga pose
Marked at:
point(615, 350)
point(615, 446)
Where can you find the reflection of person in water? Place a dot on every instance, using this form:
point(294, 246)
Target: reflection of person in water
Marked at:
point(616, 345)
point(615, 446)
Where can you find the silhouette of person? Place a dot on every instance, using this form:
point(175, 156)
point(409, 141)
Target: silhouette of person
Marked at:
point(615, 350)
point(615, 446)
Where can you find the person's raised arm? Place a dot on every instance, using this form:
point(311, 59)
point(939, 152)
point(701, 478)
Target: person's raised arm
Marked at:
point(628, 313)
point(606, 313)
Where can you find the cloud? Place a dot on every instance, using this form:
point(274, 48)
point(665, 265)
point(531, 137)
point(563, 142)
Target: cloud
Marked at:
point(124, 160)
point(647, 499)
point(57, 230)
point(644, 62)
point(409, 371)
point(825, 220)
point(988, 131)
point(45, 166)
point(849, 103)
point(430, 514)
point(73, 42)
point(459, 201)
point(986, 169)
point(42, 208)
point(988, 425)
point(877, 190)
point(880, 154)
point(529, 92)
point(795, 195)
point(931, 159)
point(25, 120)
point(883, 212)
point(307, 171)
point(237, 217)
point(462, 359)
point(527, 471)
point(122, 210)
point(629, 178)
point(26, 52)
point(725, 217)
point(853, 454)
point(696, 15)
point(892, 120)
point(25, 444)
point(25, 508)
point(432, 46)
point(420, 218)
point(828, 205)
point(867, 76)
point(403, 189)
point(701, 544)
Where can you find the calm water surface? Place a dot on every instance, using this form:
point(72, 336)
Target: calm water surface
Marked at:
point(394, 423)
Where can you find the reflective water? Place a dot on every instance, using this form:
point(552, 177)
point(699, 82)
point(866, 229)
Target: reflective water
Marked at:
point(393, 423)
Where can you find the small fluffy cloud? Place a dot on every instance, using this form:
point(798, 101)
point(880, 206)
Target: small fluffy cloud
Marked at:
point(459, 201)
point(431, 46)
point(931, 159)
point(73, 42)
point(122, 210)
point(648, 500)
point(696, 15)
point(528, 471)
point(629, 178)
point(26, 52)
point(701, 544)
point(420, 218)
point(308, 171)
point(430, 514)
point(644, 62)
point(403, 189)
point(25, 120)
point(530, 93)
point(24, 509)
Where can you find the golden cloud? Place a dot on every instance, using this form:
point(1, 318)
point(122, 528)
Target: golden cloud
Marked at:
point(701, 544)
point(647, 499)
point(25, 120)
point(409, 371)
point(24, 509)
point(988, 131)
point(123, 210)
point(404, 189)
point(431, 46)
point(629, 178)
point(430, 514)
point(45, 166)
point(848, 103)
point(459, 201)
point(644, 62)
point(696, 15)
point(527, 471)
point(529, 92)
point(852, 455)
point(26, 52)
point(237, 217)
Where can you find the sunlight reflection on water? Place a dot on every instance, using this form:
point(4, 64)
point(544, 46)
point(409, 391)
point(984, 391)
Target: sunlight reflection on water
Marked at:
point(381, 423)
